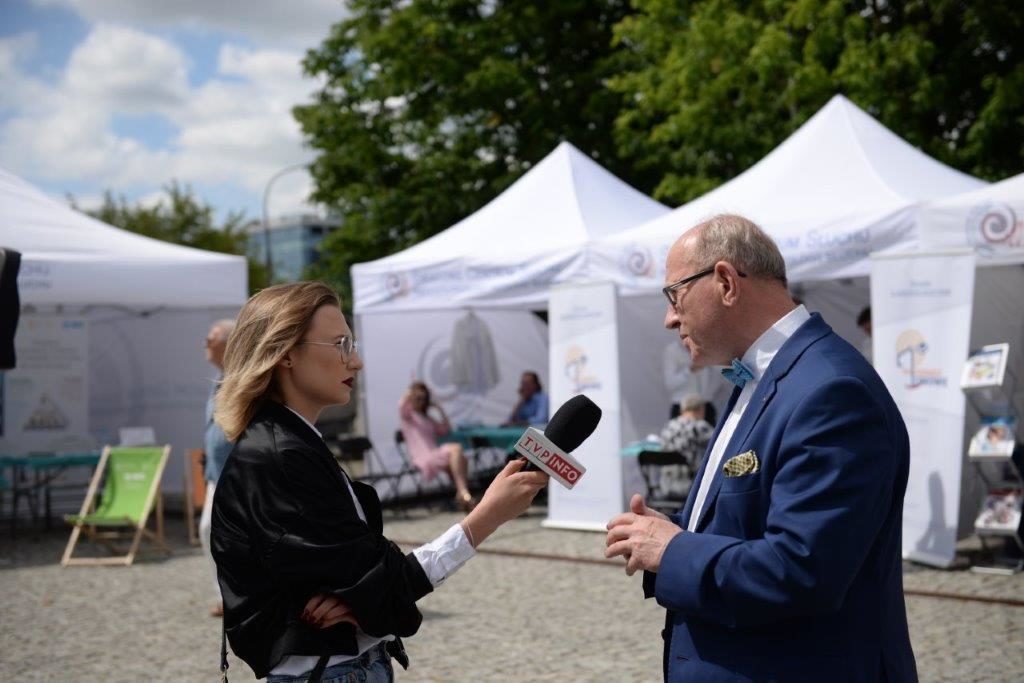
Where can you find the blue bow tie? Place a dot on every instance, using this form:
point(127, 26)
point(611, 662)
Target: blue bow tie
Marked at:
point(738, 374)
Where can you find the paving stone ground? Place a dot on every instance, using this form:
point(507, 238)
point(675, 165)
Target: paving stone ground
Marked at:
point(502, 617)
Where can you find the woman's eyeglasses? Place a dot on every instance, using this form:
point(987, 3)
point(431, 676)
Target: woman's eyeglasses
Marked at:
point(346, 346)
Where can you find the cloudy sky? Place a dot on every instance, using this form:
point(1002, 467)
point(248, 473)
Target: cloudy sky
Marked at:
point(128, 94)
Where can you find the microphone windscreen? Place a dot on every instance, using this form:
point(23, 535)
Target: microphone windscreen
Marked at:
point(573, 422)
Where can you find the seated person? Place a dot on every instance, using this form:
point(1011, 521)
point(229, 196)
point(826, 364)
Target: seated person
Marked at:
point(687, 434)
point(532, 408)
point(421, 431)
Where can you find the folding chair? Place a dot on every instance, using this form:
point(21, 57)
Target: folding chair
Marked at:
point(487, 460)
point(407, 469)
point(132, 487)
point(668, 479)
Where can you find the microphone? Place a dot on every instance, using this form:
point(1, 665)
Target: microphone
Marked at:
point(549, 450)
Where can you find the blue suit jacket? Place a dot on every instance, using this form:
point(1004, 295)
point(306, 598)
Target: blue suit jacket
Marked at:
point(794, 573)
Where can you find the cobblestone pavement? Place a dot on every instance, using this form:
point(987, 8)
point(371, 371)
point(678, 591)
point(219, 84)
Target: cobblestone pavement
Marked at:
point(502, 617)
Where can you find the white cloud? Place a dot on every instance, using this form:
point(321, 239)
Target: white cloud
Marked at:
point(17, 91)
point(236, 129)
point(127, 69)
point(297, 23)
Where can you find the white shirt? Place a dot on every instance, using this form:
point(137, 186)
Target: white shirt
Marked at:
point(757, 359)
point(440, 559)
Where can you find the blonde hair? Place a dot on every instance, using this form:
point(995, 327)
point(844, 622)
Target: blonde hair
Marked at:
point(269, 325)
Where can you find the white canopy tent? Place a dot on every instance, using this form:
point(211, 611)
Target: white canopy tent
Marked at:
point(497, 265)
point(990, 221)
point(508, 254)
point(839, 188)
point(69, 258)
point(147, 306)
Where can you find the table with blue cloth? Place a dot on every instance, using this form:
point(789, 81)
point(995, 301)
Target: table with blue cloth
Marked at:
point(631, 450)
point(488, 445)
point(30, 477)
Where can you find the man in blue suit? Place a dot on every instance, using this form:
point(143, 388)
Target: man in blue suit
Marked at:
point(784, 564)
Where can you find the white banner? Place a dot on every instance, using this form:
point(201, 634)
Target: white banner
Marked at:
point(46, 397)
point(921, 311)
point(400, 347)
point(585, 360)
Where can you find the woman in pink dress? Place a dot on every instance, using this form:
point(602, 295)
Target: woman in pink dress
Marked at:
point(421, 431)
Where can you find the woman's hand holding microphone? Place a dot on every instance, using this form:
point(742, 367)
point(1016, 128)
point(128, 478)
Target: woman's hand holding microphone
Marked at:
point(508, 496)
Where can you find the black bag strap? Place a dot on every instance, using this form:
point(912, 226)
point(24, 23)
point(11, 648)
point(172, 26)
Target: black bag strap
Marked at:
point(223, 652)
point(318, 671)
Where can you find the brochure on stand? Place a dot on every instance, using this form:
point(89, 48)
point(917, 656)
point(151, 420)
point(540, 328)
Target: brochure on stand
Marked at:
point(994, 439)
point(1001, 513)
point(985, 367)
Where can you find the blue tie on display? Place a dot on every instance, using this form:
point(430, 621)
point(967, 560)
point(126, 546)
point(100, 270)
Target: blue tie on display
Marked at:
point(738, 374)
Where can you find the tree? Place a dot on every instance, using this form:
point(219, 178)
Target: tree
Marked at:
point(182, 219)
point(430, 108)
point(710, 86)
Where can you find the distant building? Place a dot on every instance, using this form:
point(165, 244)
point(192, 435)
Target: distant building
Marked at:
point(294, 242)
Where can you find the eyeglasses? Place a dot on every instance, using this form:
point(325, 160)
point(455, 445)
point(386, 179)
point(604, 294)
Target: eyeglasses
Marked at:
point(671, 290)
point(346, 346)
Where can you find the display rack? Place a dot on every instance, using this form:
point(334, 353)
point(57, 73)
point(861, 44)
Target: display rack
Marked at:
point(997, 457)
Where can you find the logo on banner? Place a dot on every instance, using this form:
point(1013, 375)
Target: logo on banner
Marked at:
point(911, 350)
point(434, 367)
point(577, 373)
point(396, 285)
point(639, 262)
point(994, 226)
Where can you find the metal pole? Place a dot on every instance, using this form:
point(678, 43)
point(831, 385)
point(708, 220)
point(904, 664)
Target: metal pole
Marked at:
point(269, 261)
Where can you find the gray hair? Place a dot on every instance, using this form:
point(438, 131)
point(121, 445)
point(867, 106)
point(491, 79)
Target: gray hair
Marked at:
point(732, 238)
point(224, 327)
point(692, 402)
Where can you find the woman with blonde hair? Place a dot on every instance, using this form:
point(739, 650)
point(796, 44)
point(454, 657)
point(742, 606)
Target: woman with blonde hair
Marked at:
point(312, 589)
point(420, 431)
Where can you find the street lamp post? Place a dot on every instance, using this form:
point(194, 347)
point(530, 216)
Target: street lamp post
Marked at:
point(266, 218)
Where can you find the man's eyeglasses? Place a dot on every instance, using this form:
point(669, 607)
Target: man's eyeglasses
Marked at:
point(671, 290)
point(346, 346)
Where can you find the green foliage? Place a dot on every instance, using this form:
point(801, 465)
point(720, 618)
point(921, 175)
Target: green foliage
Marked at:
point(430, 108)
point(180, 219)
point(711, 86)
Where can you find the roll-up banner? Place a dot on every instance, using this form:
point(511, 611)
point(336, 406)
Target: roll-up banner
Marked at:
point(585, 360)
point(921, 314)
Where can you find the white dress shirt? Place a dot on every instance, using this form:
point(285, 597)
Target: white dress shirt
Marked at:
point(440, 559)
point(757, 359)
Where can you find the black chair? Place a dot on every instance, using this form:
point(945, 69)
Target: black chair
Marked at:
point(353, 448)
point(486, 462)
point(407, 469)
point(375, 469)
point(653, 464)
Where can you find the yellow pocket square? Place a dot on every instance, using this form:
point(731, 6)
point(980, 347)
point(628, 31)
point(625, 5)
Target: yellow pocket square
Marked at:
point(739, 465)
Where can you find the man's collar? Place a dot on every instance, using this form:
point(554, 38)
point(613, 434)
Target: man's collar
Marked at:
point(760, 354)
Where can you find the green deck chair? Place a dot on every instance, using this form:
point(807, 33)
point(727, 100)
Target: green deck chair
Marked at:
point(132, 486)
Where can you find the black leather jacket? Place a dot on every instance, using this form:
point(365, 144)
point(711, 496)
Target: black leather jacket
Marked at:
point(285, 528)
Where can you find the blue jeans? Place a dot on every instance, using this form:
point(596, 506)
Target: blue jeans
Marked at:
point(373, 666)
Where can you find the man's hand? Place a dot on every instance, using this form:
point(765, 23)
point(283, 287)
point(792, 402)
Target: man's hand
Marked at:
point(324, 610)
point(641, 536)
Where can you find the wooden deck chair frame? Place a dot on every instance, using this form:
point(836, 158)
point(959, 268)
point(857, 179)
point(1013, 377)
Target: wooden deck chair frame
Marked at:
point(195, 491)
point(107, 538)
